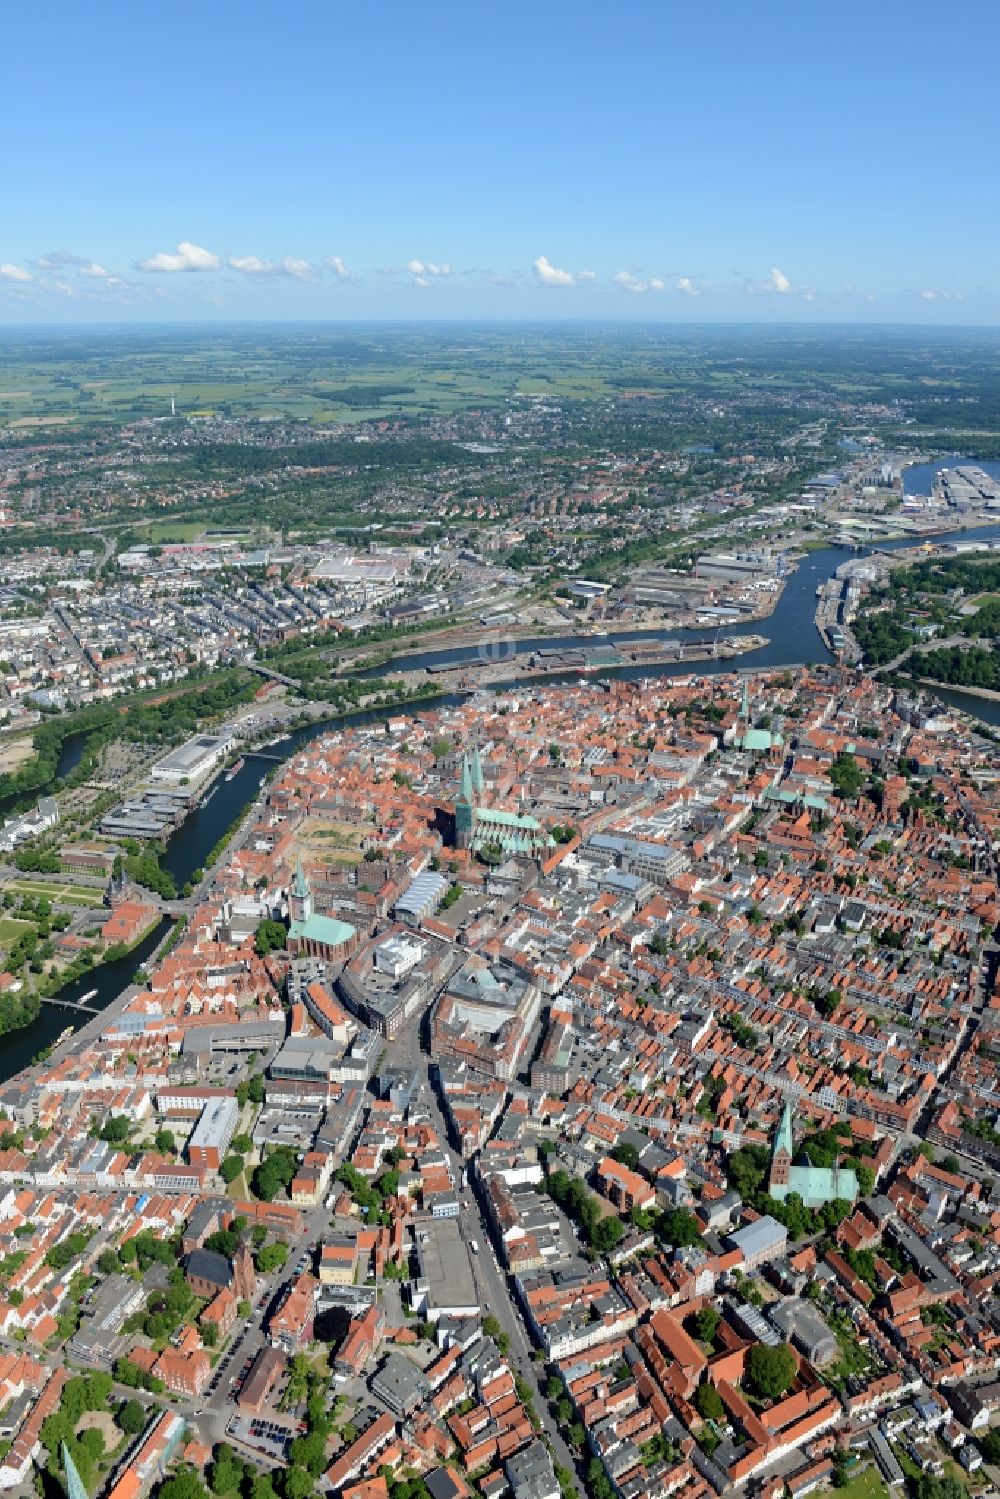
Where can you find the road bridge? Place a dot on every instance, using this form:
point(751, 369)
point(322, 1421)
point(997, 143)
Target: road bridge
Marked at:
point(272, 676)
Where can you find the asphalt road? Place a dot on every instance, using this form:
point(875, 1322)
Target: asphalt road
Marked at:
point(491, 1281)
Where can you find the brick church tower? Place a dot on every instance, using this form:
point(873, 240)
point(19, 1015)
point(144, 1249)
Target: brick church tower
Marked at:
point(781, 1159)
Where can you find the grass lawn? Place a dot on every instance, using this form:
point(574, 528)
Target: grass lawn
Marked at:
point(10, 930)
point(865, 1485)
point(239, 1188)
point(175, 530)
point(70, 895)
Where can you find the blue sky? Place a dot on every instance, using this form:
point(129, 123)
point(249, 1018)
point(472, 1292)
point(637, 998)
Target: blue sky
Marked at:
point(326, 159)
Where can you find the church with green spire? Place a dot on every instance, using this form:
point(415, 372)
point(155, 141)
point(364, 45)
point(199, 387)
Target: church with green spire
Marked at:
point(816, 1185)
point(313, 935)
point(478, 826)
point(75, 1487)
point(745, 736)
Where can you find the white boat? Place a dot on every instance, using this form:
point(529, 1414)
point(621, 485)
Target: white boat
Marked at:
point(92, 994)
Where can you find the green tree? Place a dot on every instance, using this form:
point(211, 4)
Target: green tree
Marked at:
point(989, 1445)
point(183, 1485)
point(297, 1483)
point(227, 1471)
point(846, 775)
point(607, 1233)
point(271, 1257)
point(262, 1487)
point(770, 1371)
point(131, 1418)
point(309, 1452)
point(706, 1323)
point(270, 936)
point(116, 1129)
point(680, 1228)
point(708, 1403)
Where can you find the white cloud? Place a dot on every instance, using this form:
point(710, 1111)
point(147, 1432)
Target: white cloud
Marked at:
point(426, 268)
point(584, 276)
point(869, 296)
point(550, 275)
point(686, 287)
point(14, 273)
point(299, 270)
point(776, 284)
point(935, 294)
point(251, 265)
point(188, 257)
point(628, 282)
point(286, 265)
point(335, 264)
point(96, 272)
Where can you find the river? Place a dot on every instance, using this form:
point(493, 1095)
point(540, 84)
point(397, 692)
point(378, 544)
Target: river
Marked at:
point(109, 979)
point(792, 640)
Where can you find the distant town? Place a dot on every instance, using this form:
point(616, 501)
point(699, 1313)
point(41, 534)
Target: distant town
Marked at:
point(498, 934)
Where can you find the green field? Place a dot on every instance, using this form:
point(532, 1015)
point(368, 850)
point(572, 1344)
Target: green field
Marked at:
point(10, 930)
point(865, 1485)
point(71, 895)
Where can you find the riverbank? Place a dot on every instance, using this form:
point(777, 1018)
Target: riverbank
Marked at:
point(984, 692)
point(790, 631)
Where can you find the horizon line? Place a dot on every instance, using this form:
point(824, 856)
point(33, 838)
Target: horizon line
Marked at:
point(798, 326)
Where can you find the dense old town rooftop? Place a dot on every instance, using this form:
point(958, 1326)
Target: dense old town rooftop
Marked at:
point(697, 1081)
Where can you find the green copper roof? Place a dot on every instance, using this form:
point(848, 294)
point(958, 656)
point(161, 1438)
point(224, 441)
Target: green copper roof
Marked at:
point(508, 819)
point(325, 929)
point(782, 794)
point(467, 793)
point(755, 739)
point(478, 781)
point(74, 1483)
point(816, 1185)
point(300, 886)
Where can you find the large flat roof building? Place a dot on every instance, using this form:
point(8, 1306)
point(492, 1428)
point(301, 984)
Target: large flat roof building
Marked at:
point(211, 1135)
point(191, 760)
point(444, 1284)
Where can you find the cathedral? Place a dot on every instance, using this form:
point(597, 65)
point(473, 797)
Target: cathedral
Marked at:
point(312, 935)
point(478, 826)
point(816, 1185)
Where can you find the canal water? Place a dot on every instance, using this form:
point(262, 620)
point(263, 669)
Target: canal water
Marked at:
point(793, 640)
point(17, 1048)
point(70, 755)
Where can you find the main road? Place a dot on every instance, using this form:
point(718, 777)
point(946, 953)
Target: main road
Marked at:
point(492, 1283)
